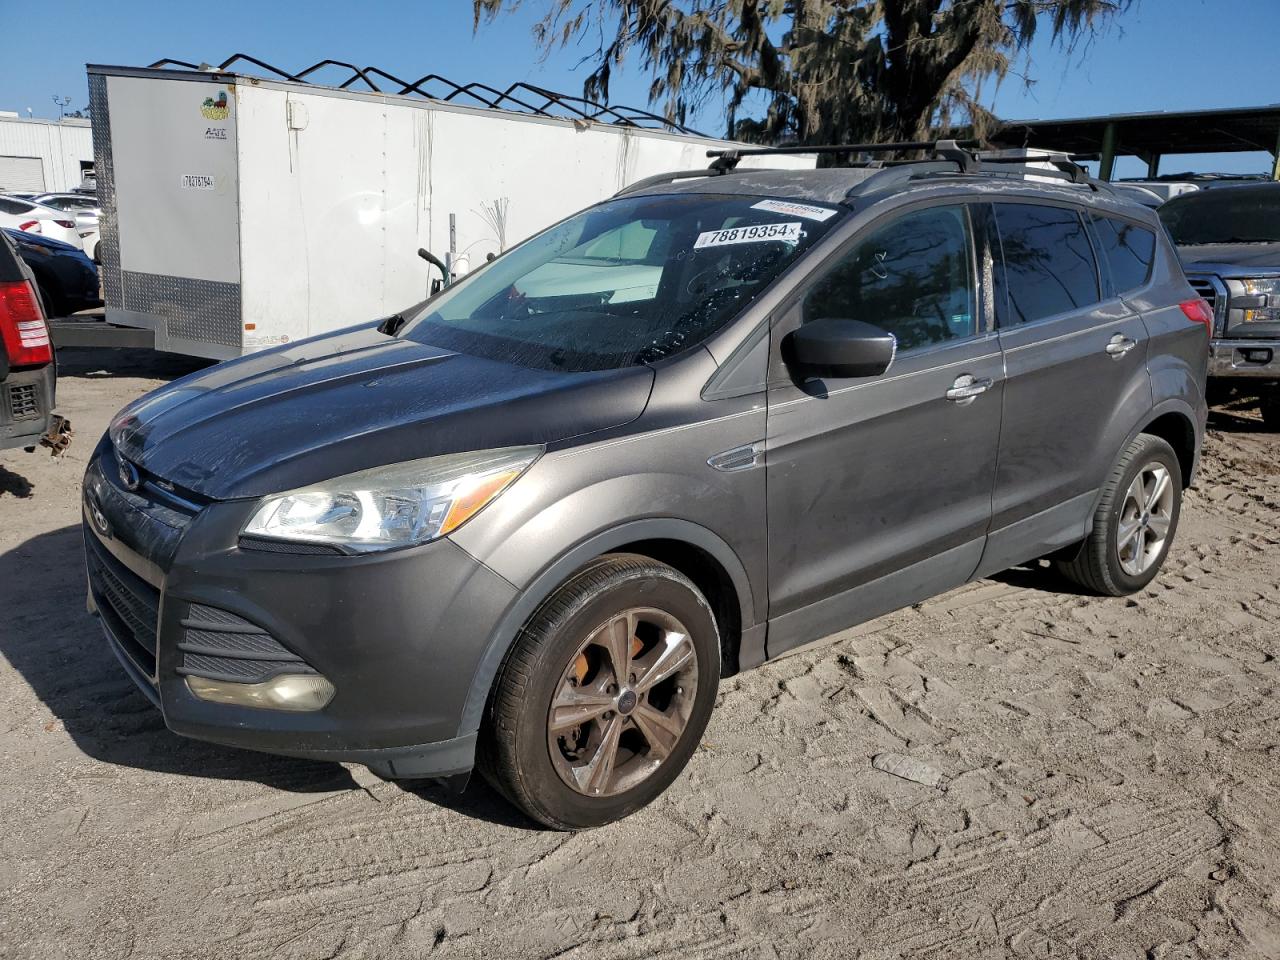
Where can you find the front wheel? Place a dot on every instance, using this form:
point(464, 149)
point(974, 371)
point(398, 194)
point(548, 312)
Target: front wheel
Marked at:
point(604, 696)
point(1134, 524)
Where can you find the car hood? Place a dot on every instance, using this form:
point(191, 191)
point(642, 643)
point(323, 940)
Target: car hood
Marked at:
point(332, 405)
point(1231, 258)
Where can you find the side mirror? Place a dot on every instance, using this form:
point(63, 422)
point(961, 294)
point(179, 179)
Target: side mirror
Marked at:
point(833, 347)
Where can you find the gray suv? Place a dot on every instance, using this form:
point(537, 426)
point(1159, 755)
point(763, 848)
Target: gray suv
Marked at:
point(529, 524)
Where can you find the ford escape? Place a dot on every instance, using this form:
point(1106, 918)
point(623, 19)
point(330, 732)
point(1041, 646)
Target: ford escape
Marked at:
point(529, 524)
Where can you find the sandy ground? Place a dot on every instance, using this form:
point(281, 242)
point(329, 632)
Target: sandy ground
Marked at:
point(1112, 779)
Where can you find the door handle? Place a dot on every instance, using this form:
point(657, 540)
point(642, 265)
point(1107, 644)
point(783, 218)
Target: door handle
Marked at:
point(1119, 345)
point(966, 389)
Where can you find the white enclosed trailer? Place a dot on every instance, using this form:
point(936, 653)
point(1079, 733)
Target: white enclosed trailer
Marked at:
point(240, 213)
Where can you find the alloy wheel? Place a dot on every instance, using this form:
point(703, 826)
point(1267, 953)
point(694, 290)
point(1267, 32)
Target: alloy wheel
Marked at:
point(1145, 518)
point(623, 702)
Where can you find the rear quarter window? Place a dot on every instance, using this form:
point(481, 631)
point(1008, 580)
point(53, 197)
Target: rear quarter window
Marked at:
point(1127, 250)
point(1048, 260)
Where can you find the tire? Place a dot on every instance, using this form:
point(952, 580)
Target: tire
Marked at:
point(1104, 564)
point(48, 301)
point(1269, 407)
point(623, 606)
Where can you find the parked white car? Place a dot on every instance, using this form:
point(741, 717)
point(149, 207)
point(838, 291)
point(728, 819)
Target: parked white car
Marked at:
point(37, 218)
point(84, 207)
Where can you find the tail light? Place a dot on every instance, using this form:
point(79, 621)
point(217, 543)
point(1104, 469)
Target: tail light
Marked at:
point(22, 326)
point(31, 226)
point(66, 224)
point(1198, 311)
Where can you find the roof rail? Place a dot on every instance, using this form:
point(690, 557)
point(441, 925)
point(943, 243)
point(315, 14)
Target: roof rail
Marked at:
point(902, 172)
point(670, 178)
point(1061, 161)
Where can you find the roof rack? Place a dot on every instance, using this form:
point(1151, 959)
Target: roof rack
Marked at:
point(946, 158)
point(942, 155)
point(941, 149)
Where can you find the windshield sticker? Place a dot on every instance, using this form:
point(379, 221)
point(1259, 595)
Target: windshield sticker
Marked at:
point(788, 232)
point(806, 210)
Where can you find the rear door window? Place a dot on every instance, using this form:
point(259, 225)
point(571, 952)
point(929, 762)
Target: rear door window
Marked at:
point(1049, 264)
point(14, 206)
point(1127, 249)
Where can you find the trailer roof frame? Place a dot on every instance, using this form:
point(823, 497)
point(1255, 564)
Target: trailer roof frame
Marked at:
point(518, 97)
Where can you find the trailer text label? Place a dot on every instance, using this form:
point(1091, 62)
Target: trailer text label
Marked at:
point(787, 232)
point(197, 181)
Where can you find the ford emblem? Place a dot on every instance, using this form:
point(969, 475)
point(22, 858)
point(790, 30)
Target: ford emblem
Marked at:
point(96, 514)
point(129, 477)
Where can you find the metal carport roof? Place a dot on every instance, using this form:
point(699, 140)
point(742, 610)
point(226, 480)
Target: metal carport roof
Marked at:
point(1152, 135)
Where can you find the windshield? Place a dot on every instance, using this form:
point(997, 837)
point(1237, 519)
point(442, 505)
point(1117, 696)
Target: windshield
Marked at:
point(1224, 215)
point(629, 281)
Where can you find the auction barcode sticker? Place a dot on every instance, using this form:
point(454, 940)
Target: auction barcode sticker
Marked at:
point(790, 232)
point(791, 208)
point(197, 181)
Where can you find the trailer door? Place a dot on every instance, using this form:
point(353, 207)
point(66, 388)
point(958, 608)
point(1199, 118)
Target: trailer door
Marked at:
point(175, 200)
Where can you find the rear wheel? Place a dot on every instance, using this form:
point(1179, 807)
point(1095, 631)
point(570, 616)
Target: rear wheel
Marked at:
point(1134, 524)
point(604, 696)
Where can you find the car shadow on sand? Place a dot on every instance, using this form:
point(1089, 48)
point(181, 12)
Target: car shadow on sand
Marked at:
point(14, 484)
point(110, 363)
point(1041, 576)
point(59, 650)
point(479, 801)
point(1233, 421)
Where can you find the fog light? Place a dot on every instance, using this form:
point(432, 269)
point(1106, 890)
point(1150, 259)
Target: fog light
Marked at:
point(290, 691)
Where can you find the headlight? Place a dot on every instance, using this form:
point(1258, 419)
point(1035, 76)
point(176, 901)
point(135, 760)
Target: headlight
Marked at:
point(1260, 303)
point(393, 506)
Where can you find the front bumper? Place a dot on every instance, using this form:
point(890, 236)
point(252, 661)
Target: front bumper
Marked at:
point(1245, 358)
point(399, 634)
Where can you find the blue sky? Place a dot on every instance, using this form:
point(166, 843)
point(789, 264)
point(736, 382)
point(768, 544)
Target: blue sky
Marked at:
point(1162, 55)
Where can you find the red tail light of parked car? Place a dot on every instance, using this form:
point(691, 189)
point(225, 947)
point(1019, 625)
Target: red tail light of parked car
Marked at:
point(22, 326)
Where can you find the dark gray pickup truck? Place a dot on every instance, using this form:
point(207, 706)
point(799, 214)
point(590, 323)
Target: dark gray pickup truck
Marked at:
point(1229, 242)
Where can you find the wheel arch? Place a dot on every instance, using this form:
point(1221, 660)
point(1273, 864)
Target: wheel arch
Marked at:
point(1174, 419)
point(1174, 422)
point(698, 553)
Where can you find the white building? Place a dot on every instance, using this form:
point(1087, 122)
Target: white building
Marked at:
point(39, 155)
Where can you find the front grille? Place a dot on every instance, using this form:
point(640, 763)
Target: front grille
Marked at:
point(128, 605)
point(219, 645)
point(1204, 287)
point(23, 401)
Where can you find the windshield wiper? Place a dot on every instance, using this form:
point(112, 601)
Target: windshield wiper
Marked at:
point(392, 325)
